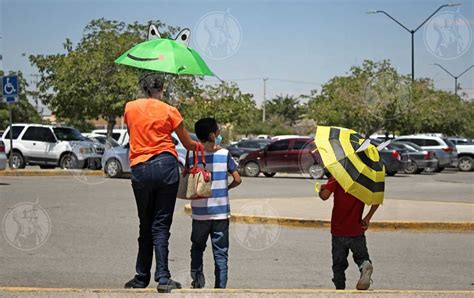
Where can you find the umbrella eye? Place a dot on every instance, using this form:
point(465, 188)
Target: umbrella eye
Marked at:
point(184, 37)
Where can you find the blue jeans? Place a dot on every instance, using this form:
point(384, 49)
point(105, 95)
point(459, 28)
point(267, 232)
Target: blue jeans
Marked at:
point(219, 231)
point(155, 185)
point(340, 251)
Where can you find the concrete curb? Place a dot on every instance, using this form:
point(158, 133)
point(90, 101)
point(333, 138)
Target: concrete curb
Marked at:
point(50, 173)
point(377, 226)
point(233, 291)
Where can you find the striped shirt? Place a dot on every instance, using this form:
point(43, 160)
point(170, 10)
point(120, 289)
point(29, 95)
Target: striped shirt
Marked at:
point(219, 163)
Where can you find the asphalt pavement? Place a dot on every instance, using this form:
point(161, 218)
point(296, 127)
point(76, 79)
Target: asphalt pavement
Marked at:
point(93, 231)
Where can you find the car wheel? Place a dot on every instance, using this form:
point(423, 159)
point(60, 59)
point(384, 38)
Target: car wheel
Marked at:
point(412, 168)
point(18, 161)
point(252, 169)
point(465, 163)
point(68, 161)
point(113, 169)
point(391, 174)
point(439, 169)
point(269, 174)
point(316, 171)
point(47, 167)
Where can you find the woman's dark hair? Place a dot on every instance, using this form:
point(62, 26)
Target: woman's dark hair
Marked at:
point(151, 83)
point(204, 127)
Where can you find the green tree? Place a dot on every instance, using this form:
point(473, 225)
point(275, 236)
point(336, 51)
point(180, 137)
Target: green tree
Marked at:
point(85, 83)
point(287, 107)
point(375, 97)
point(22, 111)
point(225, 102)
point(371, 97)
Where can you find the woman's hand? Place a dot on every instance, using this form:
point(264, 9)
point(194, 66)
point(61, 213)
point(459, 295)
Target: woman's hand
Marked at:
point(185, 139)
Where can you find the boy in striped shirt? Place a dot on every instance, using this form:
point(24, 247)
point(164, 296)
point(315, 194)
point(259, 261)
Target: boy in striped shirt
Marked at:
point(211, 215)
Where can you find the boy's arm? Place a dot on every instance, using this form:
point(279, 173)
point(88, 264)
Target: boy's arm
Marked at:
point(368, 217)
point(237, 180)
point(327, 189)
point(232, 168)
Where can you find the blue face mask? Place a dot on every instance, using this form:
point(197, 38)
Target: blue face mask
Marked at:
point(218, 140)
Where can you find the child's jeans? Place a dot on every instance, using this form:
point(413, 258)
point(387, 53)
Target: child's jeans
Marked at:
point(219, 231)
point(340, 250)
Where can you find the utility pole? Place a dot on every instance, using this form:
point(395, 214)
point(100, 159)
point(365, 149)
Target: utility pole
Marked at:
point(264, 97)
point(35, 82)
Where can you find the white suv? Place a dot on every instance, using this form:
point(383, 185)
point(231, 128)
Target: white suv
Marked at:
point(50, 146)
point(445, 150)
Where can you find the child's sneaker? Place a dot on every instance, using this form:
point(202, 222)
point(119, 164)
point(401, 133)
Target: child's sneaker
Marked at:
point(366, 270)
point(199, 281)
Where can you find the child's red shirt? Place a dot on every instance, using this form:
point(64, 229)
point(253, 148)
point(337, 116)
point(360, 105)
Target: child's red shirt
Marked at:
point(346, 213)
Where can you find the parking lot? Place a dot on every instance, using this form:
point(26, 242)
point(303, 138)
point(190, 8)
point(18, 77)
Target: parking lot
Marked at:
point(93, 230)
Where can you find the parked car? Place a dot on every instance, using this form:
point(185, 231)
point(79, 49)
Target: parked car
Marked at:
point(118, 134)
point(116, 160)
point(3, 157)
point(465, 148)
point(49, 146)
point(445, 150)
point(290, 155)
point(102, 139)
point(238, 149)
point(394, 158)
point(461, 141)
point(419, 159)
point(283, 137)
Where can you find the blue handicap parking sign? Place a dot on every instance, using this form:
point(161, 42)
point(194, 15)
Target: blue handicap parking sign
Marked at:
point(10, 88)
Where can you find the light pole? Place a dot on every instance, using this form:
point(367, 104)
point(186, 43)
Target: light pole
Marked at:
point(264, 97)
point(412, 32)
point(453, 76)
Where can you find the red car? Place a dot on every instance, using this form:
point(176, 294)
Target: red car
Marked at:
point(292, 155)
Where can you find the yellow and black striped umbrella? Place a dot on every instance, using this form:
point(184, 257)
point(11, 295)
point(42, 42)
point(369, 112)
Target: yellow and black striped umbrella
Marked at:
point(362, 174)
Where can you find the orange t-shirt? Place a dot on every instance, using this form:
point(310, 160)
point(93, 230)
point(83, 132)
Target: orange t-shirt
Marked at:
point(150, 124)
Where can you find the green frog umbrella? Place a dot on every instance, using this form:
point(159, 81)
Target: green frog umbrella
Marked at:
point(166, 55)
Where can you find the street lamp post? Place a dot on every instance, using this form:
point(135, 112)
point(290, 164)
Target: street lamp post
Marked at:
point(412, 32)
point(453, 76)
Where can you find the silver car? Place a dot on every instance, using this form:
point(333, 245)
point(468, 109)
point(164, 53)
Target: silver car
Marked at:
point(116, 162)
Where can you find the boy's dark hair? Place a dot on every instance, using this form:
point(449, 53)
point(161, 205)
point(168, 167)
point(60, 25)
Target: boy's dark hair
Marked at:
point(151, 83)
point(204, 127)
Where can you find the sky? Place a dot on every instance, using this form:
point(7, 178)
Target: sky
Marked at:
point(297, 45)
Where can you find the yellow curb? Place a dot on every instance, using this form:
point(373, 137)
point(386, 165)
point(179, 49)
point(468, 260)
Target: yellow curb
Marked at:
point(228, 291)
point(50, 173)
point(378, 226)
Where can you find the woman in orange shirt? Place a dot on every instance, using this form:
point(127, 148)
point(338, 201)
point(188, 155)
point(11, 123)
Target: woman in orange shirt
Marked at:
point(155, 178)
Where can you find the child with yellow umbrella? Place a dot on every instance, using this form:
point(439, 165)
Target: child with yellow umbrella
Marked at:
point(357, 178)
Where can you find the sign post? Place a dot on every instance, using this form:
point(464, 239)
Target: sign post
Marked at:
point(10, 95)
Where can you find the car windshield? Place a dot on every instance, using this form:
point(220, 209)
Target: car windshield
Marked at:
point(68, 134)
point(449, 143)
point(410, 146)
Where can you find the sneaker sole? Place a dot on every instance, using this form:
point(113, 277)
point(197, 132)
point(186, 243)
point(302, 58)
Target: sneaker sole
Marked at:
point(364, 281)
point(167, 289)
